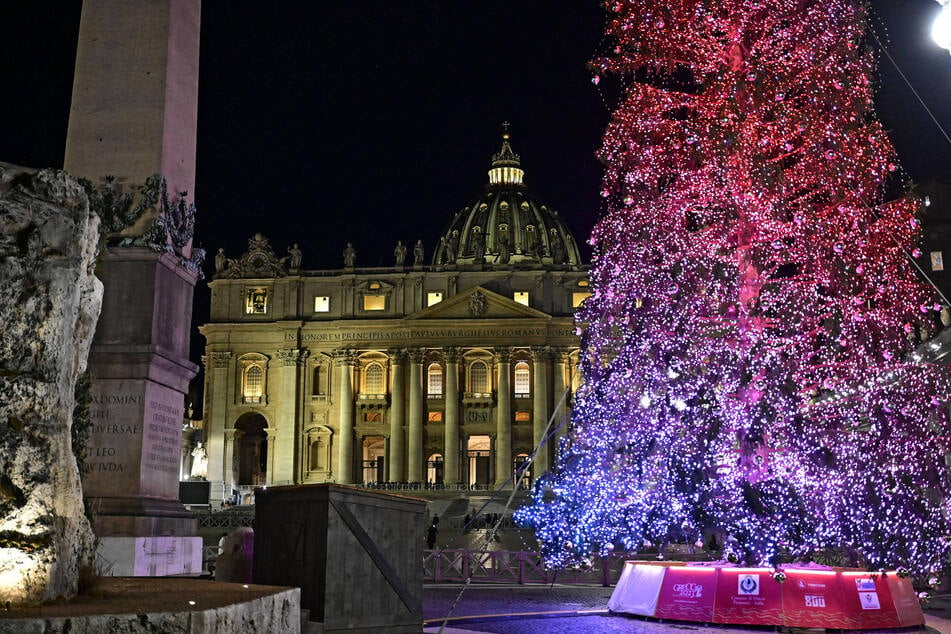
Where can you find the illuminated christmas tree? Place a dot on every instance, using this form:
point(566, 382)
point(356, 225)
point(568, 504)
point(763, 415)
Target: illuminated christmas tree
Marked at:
point(746, 352)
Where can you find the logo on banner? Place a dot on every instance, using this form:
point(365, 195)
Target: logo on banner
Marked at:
point(865, 585)
point(748, 584)
point(688, 590)
point(869, 600)
point(815, 601)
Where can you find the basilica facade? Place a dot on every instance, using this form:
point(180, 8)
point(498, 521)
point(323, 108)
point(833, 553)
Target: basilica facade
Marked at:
point(443, 373)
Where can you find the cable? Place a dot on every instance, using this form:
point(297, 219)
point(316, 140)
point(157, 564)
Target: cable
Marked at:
point(517, 476)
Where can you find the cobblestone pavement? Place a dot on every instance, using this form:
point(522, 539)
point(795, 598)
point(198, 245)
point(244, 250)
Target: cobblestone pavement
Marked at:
point(565, 609)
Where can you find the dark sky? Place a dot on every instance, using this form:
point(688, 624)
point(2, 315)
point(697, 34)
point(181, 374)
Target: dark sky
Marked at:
point(334, 121)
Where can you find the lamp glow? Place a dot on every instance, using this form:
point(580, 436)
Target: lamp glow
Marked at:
point(941, 29)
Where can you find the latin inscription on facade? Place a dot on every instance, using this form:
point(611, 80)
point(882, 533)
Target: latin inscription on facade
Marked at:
point(391, 335)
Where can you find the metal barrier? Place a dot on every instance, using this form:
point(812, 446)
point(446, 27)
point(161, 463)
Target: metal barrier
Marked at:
point(229, 519)
point(521, 567)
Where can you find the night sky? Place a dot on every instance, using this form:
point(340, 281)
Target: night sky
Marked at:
point(371, 122)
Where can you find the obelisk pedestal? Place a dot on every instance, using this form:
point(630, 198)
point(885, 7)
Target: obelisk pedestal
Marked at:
point(140, 373)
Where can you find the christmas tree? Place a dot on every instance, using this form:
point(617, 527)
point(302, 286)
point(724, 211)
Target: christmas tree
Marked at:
point(746, 355)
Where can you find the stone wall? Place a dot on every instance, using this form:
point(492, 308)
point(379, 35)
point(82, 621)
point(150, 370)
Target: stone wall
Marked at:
point(48, 311)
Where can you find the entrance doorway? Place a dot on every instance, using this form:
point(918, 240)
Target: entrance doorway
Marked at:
point(479, 453)
point(434, 469)
point(526, 479)
point(251, 450)
point(374, 464)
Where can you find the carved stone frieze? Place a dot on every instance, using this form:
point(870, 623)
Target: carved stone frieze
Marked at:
point(172, 225)
point(258, 261)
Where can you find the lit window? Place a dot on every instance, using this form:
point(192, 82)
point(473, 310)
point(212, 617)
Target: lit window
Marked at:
point(321, 304)
point(479, 378)
point(522, 379)
point(373, 380)
point(255, 301)
point(521, 297)
point(434, 380)
point(253, 384)
point(578, 298)
point(374, 302)
point(433, 297)
point(937, 261)
point(435, 417)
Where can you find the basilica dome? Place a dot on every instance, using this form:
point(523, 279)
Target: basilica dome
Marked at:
point(507, 226)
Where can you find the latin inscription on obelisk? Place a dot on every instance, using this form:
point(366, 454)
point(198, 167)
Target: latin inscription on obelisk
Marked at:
point(135, 441)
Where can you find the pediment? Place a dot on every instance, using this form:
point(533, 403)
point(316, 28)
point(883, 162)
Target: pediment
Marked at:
point(478, 303)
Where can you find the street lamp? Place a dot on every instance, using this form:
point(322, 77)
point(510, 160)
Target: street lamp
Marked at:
point(941, 29)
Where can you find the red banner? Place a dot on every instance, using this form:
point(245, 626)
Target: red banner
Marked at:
point(809, 597)
point(813, 598)
point(687, 594)
point(748, 596)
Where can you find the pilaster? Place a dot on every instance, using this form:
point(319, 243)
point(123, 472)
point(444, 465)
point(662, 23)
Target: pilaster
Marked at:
point(540, 359)
point(503, 440)
point(343, 361)
point(396, 447)
point(451, 451)
point(415, 471)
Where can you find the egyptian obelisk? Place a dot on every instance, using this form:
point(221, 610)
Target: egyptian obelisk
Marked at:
point(134, 115)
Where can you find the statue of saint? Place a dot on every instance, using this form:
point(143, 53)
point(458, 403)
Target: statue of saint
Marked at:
point(221, 261)
point(418, 253)
point(400, 253)
point(199, 463)
point(349, 256)
point(478, 246)
point(295, 253)
point(505, 251)
point(557, 249)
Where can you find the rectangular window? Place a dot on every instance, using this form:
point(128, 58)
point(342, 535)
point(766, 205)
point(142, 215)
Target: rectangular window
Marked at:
point(374, 302)
point(255, 301)
point(937, 261)
point(321, 304)
point(521, 297)
point(578, 298)
point(433, 297)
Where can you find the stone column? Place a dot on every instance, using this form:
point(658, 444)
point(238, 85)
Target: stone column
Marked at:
point(560, 383)
point(540, 362)
point(451, 452)
point(216, 405)
point(395, 455)
point(230, 476)
point(503, 440)
point(282, 442)
point(344, 364)
point(415, 471)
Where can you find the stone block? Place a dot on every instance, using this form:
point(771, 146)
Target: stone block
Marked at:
point(355, 554)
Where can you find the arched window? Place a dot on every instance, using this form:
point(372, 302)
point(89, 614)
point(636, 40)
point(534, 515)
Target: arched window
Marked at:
point(253, 384)
point(434, 380)
point(523, 381)
point(373, 379)
point(479, 378)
